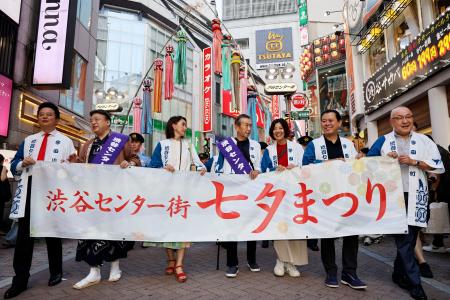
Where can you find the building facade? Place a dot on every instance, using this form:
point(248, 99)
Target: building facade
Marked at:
point(74, 99)
point(400, 57)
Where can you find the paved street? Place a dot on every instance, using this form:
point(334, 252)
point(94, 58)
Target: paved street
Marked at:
point(144, 278)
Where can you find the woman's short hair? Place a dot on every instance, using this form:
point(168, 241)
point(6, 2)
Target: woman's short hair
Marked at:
point(283, 123)
point(170, 132)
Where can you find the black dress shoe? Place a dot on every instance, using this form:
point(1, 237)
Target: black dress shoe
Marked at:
point(417, 292)
point(265, 244)
point(14, 290)
point(54, 279)
point(401, 281)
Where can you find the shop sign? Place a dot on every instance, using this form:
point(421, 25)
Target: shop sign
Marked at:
point(300, 115)
point(6, 86)
point(428, 52)
point(280, 88)
point(121, 120)
point(274, 45)
point(112, 107)
point(207, 90)
point(275, 107)
point(303, 12)
point(54, 44)
point(299, 101)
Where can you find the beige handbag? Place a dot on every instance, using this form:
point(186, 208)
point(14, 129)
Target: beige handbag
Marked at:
point(439, 219)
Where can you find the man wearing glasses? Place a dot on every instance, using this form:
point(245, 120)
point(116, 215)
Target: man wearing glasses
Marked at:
point(416, 154)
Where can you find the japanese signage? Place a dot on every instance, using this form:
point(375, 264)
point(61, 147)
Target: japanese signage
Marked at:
point(109, 106)
point(120, 120)
point(275, 107)
point(280, 88)
point(303, 12)
point(207, 90)
point(54, 43)
point(273, 46)
point(6, 89)
point(299, 101)
point(422, 56)
point(335, 199)
point(300, 115)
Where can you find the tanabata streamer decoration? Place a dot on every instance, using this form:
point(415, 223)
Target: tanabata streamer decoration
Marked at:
point(180, 59)
point(243, 88)
point(157, 94)
point(226, 62)
point(268, 121)
point(137, 114)
point(146, 121)
point(252, 102)
point(168, 74)
point(235, 65)
point(217, 46)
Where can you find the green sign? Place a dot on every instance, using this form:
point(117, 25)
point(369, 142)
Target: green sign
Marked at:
point(300, 115)
point(303, 12)
point(120, 120)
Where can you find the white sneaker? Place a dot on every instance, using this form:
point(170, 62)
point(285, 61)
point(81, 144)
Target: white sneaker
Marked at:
point(94, 277)
point(115, 274)
point(292, 270)
point(431, 248)
point(279, 268)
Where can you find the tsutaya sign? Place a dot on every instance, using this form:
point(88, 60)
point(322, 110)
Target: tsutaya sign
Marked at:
point(81, 201)
point(54, 46)
point(273, 46)
point(207, 90)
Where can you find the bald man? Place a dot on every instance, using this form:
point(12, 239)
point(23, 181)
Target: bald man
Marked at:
point(416, 154)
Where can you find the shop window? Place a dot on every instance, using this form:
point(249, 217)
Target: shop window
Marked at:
point(377, 55)
point(440, 6)
point(84, 12)
point(243, 43)
point(402, 35)
point(73, 98)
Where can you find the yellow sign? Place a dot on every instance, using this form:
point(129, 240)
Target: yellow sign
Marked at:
point(274, 45)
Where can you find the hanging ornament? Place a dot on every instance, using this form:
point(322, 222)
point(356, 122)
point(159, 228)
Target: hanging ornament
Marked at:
point(235, 66)
point(146, 119)
point(168, 74)
point(243, 88)
point(157, 77)
point(137, 114)
point(180, 59)
point(217, 46)
point(226, 62)
point(252, 103)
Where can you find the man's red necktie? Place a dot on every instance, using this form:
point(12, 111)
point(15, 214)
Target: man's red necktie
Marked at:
point(41, 155)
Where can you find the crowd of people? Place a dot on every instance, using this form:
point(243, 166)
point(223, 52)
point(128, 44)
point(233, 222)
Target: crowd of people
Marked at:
point(417, 155)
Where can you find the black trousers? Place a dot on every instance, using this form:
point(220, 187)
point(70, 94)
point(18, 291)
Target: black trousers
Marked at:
point(23, 253)
point(349, 255)
point(232, 257)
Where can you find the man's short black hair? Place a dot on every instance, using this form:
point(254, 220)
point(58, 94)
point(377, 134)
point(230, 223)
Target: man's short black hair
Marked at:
point(283, 124)
point(263, 145)
point(203, 155)
point(240, 117)
point(338, 115)
point(137, 137)
point(51, 106)
point(101, 112)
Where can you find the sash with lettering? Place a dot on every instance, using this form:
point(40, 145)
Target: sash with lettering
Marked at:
point(110, 149)
point(234, 156)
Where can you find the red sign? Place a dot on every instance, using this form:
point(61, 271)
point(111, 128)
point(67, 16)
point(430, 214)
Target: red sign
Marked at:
point(299, 101)
point(275, 107)
point(227, 108)
point(207, 92)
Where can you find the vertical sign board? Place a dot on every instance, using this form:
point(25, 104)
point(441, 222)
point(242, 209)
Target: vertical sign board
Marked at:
point(54, 44)
point(275, 107)
point(6, 85)
point(207, 90)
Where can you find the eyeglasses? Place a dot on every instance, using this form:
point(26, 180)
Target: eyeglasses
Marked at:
point(401, 118)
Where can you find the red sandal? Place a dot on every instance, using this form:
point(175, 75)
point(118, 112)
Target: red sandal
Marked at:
point(181, 277)
point(170, 270)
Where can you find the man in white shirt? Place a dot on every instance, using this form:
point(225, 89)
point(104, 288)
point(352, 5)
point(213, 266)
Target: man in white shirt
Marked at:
point(47, 145)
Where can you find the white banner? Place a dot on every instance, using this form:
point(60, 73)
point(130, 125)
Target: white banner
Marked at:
point(332, 199)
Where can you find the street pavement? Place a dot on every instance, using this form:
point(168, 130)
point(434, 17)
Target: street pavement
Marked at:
point(143, 276)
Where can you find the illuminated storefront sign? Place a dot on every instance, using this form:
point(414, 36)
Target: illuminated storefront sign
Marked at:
point(274, 46)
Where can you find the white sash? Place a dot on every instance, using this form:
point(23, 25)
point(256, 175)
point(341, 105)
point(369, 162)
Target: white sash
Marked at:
point(32, 144)
point(321, 152)
point(423, 149)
